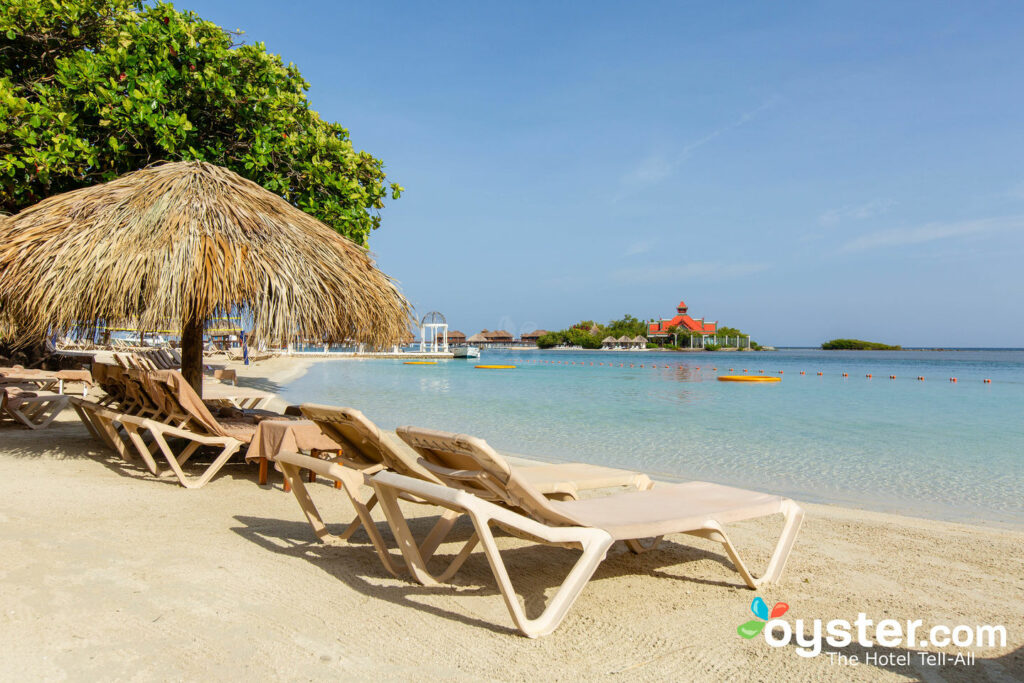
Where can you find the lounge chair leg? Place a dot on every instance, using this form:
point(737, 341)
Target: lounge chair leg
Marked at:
point(794, 516)
point(438, 533)
point(230, 447)
point(593, 554)
point(264, 466)
point(293, 477)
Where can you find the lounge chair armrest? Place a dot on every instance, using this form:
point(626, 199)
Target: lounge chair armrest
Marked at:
point(167, 430)
point(326, 468)
point(485, 510)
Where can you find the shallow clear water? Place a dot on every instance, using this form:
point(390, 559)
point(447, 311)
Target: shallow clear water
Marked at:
point(932, 448)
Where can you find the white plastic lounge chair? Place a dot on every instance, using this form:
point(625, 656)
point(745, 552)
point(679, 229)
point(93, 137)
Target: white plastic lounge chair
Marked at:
point(479, 482)
point(35, 410)
point(364, 450)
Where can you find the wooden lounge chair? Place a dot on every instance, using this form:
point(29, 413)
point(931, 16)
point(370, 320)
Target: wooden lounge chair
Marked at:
point(32, 409)
point(478, 482)
point(365, 450)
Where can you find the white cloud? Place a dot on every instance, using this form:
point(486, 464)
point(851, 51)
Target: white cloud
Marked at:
point(657, 167)
point(859, 212)
point(707, 271)
point(932, 232)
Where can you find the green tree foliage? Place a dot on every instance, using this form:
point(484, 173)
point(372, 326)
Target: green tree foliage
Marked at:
point(857, 345)
point(92, 89)
point(573, 336)
point(628, 325)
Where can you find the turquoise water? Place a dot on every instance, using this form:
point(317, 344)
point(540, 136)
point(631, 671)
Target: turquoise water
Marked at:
point(933, 448)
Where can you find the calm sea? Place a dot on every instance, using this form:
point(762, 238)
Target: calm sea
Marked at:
point(929, 448)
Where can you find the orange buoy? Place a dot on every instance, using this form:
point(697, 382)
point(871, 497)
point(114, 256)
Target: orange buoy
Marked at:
point(781, 371)
point(802, 372)
point(868, 376)
point(730, 369)
point(920, 378)
point(747, 378)
point(715, 369)
point(761, 371)
point(987, 381)
point(952, 379)
point(846, 374)
point(819, 374)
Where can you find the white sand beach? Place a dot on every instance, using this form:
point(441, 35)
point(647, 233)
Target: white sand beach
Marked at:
point(110, 573)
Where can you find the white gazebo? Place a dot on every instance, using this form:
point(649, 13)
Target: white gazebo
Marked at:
point(432, 326)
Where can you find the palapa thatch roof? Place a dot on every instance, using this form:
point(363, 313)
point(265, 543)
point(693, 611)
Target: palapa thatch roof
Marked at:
point(497, 334)
point(453, 334)
point(640, 339)
point(536, 334)
point(609, 340)
point(8, 331)
point(477, 338)
point(624, 338)
point(187, 241)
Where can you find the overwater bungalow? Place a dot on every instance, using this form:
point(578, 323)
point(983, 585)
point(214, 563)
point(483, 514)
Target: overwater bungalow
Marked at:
point(455, 338)
point(498, 337)
point(532, 337)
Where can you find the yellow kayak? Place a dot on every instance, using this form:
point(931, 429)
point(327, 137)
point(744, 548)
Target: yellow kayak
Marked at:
point(747, 378)
point(496, 367)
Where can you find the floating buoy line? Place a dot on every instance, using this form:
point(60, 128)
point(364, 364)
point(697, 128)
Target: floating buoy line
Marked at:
point(759, 377)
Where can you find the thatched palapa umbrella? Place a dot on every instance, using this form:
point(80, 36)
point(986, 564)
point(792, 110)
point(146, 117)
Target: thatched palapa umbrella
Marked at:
point(187, 241)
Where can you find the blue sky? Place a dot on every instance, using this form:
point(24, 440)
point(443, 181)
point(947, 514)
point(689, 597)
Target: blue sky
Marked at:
point(802, 172)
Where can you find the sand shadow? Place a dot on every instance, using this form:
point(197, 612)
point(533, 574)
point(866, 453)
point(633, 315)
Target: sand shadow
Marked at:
point(536, 570)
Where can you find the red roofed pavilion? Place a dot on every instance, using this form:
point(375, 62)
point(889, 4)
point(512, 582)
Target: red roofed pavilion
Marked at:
point(683, 321)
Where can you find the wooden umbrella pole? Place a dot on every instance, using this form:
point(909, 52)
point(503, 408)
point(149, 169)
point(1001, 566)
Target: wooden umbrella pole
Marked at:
point(192, 354)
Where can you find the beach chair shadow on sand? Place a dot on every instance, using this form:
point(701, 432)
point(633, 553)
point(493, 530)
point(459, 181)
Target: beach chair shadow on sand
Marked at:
point(540, 568)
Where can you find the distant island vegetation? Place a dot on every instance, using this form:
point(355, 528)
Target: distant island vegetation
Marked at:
point(857, 345)
point(589, 335)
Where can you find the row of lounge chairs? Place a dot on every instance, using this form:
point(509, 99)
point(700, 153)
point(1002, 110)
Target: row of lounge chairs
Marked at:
point(150, 415)
point(147, 414)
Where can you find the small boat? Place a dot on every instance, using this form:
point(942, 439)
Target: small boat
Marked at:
point(466, 352)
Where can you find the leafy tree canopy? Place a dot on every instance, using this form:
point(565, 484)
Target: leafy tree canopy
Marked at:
point(92, 89)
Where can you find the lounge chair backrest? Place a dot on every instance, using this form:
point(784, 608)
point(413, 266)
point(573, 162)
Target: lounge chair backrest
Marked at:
point(110, 378)
point(183, 399)
point(469, 463)
point(361, 439)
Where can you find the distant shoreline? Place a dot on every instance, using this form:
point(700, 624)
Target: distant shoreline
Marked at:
point(905, 348)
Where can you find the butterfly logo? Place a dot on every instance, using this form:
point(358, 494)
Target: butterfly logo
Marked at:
point(760, 609)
